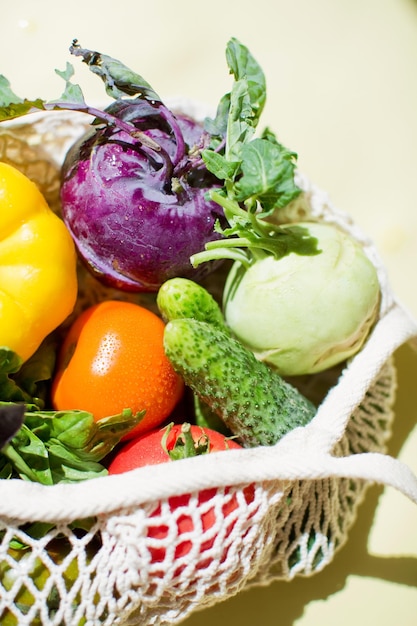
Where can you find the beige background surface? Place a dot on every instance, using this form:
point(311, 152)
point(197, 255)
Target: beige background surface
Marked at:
point(342, 92)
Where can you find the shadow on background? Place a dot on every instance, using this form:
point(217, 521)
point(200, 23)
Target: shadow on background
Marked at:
point(254, 606)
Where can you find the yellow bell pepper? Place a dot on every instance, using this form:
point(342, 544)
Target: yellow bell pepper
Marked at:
point(38, 278)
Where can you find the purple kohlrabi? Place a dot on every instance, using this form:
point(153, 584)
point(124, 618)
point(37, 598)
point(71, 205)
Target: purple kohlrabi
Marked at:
point(134, 196)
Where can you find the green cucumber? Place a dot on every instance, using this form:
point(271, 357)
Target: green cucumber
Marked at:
point(256, 404)
point(205, 417)
point(183, 298)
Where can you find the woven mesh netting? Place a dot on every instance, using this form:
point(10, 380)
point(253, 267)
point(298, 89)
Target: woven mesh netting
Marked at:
point(157, 562)
point(318, 513)
point(112, 552)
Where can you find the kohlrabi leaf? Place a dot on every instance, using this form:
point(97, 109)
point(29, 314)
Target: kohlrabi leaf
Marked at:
point(115, 76)
point(73, 93)
point(11, 106)
point(240, 128)
point(7, 96)
point(247, 98)
point(267, 175)
point(218, 165)
point(119, 80)
point(217, 127)
point(238, 112)
point(258, 174)
point(243, 66)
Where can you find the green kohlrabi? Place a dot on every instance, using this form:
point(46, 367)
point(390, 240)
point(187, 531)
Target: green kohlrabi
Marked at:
point(305, 314)
point(302, 296)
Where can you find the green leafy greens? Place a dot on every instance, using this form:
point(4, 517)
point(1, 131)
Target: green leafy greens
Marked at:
point(48, 446)
point(62, 446)
point(119, 81)
point(258, 179)
point(258, 173)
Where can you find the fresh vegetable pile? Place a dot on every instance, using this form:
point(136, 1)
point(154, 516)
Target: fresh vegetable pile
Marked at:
point(244, 302)
point(154, 201)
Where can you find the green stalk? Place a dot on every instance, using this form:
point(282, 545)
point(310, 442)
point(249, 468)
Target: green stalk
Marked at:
point(221, 252)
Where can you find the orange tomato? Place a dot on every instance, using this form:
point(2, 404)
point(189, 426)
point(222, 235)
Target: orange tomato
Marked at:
point(113, 359)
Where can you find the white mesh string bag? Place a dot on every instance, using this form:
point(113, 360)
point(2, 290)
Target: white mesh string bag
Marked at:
point(160, 542)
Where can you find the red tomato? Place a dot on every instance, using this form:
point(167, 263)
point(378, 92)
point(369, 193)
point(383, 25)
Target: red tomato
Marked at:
point(149, 450)
point(152, 447)
point(113, 359)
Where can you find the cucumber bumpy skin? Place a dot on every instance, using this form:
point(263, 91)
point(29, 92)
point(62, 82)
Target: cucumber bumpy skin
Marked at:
point(255, 403)
point(183, 298)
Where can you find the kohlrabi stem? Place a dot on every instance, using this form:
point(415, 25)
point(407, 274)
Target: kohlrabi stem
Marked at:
point(110, 120)
point(231, 249)
point(234, 254)
point(231, 207)
point(166, 114)
point(127, 127)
